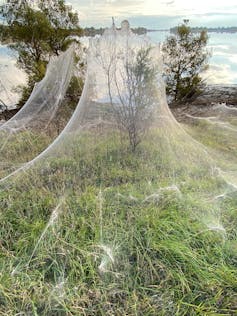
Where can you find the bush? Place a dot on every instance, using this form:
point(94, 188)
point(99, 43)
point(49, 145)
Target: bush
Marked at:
point(185, 57)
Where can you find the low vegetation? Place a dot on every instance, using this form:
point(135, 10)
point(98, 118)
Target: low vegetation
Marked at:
point(185, 57)
point(89, 232)
point(105, 224)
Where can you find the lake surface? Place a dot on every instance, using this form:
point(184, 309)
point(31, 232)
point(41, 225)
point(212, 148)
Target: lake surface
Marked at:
point(222, 69)
point(10, 76)
point(223, 60)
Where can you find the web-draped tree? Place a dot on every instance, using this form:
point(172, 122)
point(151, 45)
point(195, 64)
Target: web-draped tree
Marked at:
point(136, 98)
point(131, 75)
point(36, 31)
point(185, 57)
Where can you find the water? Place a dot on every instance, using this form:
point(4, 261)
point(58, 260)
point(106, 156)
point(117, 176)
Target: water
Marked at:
point(10, 77)
point(222, 69)
point(222, 63)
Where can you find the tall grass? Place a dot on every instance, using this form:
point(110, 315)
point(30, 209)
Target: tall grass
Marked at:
point(123, 240)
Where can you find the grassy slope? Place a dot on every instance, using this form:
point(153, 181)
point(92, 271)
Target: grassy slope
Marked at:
point(165, 259)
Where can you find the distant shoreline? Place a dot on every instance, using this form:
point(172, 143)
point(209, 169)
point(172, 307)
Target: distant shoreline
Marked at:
point(91, 31)
point(232, 29)
point(209, 30)
point(212, 94)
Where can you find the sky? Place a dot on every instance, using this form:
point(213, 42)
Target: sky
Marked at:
point(157, 14)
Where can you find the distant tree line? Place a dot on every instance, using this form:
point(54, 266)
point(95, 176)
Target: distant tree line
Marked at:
point(92, 31)
point(185, 57)
point(232, 29)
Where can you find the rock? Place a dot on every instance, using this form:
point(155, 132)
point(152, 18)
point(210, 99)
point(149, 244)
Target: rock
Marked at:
point(217, 94)
point(203, 104)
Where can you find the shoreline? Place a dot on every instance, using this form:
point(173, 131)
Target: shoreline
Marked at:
point(212, 95)
point(217, 93)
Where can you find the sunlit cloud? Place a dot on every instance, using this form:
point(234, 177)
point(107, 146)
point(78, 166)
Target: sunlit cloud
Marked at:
point(220, 74)
point(100, 11)
point(10, 78)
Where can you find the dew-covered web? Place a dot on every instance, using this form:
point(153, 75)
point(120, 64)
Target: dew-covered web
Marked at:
point(121, 159)
point(6, 96)
point(216, 128)
point(19, 135)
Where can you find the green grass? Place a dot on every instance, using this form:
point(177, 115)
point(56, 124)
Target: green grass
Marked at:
point(220, 140)
point(167, 260)
point(19, 148)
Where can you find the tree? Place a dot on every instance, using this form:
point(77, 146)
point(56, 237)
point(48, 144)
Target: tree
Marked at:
point(185, 57)
point(36, 32)
point(64, 23)
point(132, 89)
point(129, 72)
point(136, 102)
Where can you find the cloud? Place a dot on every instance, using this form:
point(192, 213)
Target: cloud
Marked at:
point(10, 76)
point(100, 11)
point(233, 59)
point(168, 3)
point(220, 74)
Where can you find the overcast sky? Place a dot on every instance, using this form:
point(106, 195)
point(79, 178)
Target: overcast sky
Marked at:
point(157, 13)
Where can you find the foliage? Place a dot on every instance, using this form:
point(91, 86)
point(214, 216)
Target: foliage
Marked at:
point(64, 23)
point(166, 262)
point(38, 33)
point(136, 97)
point(185, 56)
point(75, 90)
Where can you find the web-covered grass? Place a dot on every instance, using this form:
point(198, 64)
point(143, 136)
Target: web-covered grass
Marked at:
point(120, 238)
